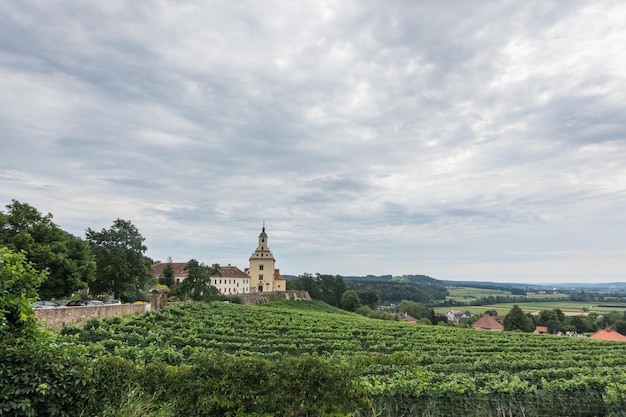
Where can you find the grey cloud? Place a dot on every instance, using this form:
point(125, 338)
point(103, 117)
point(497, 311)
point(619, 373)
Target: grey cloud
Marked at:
point(442, 129)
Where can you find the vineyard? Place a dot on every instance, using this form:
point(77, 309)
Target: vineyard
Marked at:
point(306, 358)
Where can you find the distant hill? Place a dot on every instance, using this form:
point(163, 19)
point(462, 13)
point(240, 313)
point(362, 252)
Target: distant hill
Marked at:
point(430, 281)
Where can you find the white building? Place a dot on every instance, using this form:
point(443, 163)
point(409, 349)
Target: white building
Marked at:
point(261, 276)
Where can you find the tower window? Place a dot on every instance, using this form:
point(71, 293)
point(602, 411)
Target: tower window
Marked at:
point(261, 277)
point(260, 267)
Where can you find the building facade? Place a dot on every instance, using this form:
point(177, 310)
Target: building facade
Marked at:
point(264, 277)
point(260, 276)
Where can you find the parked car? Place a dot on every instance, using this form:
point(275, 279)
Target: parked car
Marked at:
point(75, 303)
point(112, 302)
point(45, 304)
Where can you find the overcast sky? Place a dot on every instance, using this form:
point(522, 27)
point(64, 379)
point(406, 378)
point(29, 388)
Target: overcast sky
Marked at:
point(461, 140)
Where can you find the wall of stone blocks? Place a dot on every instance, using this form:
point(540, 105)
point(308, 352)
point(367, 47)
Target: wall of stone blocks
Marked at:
point(55, 318)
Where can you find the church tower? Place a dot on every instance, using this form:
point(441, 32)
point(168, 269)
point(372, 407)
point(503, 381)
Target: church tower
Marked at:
point(264, 277)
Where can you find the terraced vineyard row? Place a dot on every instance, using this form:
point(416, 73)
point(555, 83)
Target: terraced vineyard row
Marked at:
point(395, 365)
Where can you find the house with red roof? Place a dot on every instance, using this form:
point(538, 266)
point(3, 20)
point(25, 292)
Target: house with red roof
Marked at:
point(608, 334)
point(486, 322)
point(260, 276)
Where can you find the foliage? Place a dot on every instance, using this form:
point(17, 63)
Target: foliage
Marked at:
point(122, 267)
point(167, 276)
point(19, 281)
point(298, 358)
point(417, 310)
point(517, 320)
point(67, 258)
point(332, 287)
point(370, 299)
point(394, 292)
point(328, 288)
point(197, 286)
point(350, 300)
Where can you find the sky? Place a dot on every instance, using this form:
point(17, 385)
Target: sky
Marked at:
point(460, 140)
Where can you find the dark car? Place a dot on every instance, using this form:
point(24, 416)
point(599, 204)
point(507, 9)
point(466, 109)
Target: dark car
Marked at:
point(75, 303)
point(45, 304)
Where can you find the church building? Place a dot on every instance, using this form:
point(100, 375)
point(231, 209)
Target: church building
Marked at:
point(261, 276)
point(264, 277)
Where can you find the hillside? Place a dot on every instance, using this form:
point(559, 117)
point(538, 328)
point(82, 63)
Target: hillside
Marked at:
point(308, 358)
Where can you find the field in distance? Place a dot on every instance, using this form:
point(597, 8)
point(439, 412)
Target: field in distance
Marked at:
point(556, 300)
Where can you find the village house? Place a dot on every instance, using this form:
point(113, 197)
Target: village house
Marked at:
point(260, 276)
point(486, 322)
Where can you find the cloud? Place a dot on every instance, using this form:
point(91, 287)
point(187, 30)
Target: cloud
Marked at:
point(438, 138)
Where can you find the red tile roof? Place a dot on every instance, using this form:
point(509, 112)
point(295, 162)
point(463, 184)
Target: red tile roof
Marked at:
point(486, 322)
point(541, 329)
point(179, 270)
point(608, 334)
point(277, 276)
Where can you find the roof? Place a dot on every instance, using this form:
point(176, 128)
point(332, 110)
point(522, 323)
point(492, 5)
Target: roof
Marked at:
point(232, 272)
point(486, 322)
point(179, 270)
point(405, 317)
point(541, 329)
point(277, 276)
point(608, 334)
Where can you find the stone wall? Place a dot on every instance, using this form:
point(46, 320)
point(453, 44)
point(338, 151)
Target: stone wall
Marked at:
point(266, 297)
point(55, 318)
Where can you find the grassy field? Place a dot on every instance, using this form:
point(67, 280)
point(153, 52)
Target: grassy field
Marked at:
point(568, 307)
point(469, 294)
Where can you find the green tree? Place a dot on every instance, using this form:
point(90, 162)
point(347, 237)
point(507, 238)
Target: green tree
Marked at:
point(307, 282)
point(350, 300)
point(620, 327)
point(545, 316)
point(122, 267)
point(197, 286)
point(553, 326)
point(492, 313)
point(19, 281)
point(167, 276)
point(70, 264)
point(370, 299)
point(517, 320)
point(332, 287)
point(417, 310)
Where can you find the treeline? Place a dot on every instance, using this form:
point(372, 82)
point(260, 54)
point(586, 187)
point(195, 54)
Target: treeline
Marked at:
point(352, 294)
point(394, 292)
point(556, 321)
point(496, 299)
point(109, 261)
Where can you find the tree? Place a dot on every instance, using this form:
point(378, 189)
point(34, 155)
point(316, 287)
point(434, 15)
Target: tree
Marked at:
point(67, 259)
point(417, 310)
point(122, 267)
point(553, 326)
point(167, 276)
point(370, 299)
point(332, 288)
point(19, 281)
point(307, 282)
point(492, 313)
point(350, 300)
point(545, 316)
point(517, 320)
point(197, 286)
